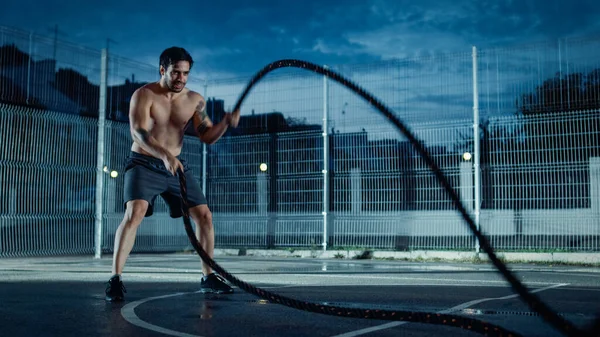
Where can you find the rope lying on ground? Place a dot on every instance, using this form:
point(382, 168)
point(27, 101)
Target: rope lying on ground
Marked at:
point(478, 326)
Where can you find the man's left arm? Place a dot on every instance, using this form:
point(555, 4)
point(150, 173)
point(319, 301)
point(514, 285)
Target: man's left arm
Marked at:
point(208, 132)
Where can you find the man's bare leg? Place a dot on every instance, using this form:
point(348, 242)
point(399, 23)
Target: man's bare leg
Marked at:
point(205, 233)
point(126, 232)
point(124, 240)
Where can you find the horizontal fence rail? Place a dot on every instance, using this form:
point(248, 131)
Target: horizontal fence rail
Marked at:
point(311, 165)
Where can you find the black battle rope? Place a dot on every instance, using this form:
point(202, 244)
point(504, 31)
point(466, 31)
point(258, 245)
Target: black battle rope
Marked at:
point(407, 316)
point(420, 317)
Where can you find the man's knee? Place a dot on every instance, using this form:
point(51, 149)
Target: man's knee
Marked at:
point(135, 213)
point(201, 215)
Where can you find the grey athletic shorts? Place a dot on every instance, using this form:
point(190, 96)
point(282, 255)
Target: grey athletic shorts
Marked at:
point(147, 177)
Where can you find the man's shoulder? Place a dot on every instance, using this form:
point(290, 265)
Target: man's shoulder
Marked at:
point(194, 95)
point(144, 91)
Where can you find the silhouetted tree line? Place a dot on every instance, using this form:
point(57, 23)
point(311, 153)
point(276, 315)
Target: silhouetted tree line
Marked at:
point(542, 160)
point(573, 92)
point(18, 71)
point(10, 55)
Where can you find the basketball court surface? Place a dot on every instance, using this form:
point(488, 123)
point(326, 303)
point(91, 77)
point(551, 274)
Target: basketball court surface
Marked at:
point(65, 297)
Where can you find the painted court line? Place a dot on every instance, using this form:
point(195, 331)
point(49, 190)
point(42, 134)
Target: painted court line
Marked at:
point(446, 311)
point(438, 280)
point(128, 313)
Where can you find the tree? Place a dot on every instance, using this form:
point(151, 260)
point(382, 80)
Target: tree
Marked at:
point(11, 56)
point(80, 90)
point(573, 92)
point(561, 118)
point(561, 128)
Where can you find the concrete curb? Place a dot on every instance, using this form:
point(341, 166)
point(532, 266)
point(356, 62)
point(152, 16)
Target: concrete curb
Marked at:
point(420, 255)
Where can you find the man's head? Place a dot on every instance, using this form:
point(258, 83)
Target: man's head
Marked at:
point(175, 66)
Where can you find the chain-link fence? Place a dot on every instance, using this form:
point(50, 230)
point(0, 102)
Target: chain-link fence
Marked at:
point(312, 165)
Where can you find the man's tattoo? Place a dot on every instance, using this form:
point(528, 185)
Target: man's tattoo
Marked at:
point(143, 134)
point(201, 128)
point(201, 112)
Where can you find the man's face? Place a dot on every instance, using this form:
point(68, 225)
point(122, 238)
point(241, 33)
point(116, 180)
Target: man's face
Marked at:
point(176, 75)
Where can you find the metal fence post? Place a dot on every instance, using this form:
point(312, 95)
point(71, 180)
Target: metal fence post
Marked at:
point(476, 168)
point(29, 68)
point(100, 155)
point(325, 161)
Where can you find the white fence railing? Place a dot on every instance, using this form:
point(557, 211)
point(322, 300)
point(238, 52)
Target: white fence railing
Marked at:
point(515, 130)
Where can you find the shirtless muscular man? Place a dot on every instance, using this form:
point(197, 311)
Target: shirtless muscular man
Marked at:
point(158, 115)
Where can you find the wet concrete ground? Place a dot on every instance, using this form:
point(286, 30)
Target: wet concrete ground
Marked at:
point(65, 297)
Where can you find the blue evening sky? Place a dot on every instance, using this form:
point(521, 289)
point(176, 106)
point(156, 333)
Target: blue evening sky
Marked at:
point(238, 37)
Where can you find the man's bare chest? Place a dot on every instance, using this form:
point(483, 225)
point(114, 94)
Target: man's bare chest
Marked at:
point(170, 114)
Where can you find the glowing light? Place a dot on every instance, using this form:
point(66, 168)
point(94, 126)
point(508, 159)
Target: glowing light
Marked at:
point(105, 169)
point(466, 156)
point(263, 167)
point(114, 174)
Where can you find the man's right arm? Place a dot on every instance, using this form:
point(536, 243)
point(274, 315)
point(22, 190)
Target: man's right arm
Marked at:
point(140, 123)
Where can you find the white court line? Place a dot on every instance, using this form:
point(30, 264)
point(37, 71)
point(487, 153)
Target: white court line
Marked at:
point(128, 313)
point(447, 280)
point(456, 308)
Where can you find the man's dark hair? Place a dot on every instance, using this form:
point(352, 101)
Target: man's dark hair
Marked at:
point(173, 55)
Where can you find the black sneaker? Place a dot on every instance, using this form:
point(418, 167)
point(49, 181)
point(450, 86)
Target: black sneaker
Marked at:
point(215, 284)
point(115, 289)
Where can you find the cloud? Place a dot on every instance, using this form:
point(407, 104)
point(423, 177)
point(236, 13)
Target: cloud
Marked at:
point(338, 48)
point(239, 36)
point(236, 38)
point(395, 41)
point(401, 29)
